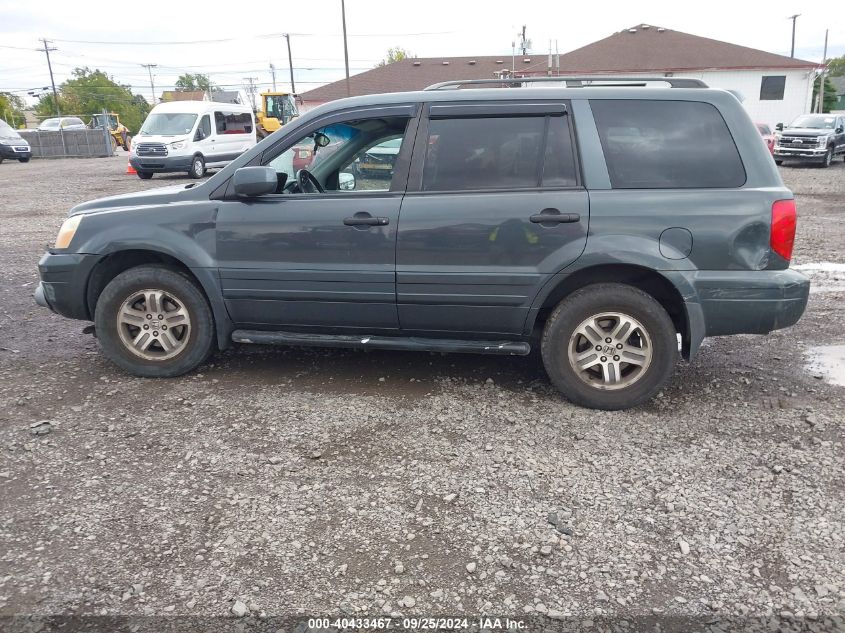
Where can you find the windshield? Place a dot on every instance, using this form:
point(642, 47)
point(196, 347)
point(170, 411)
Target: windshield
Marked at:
point(99, 118)
point(6, 131)
point(50, 124)
point(818, 122)
point(168, 124)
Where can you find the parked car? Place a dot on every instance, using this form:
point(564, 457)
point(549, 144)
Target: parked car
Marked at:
point(191, 136)
point(811, 138)
point(690, 235)
point(62, 123)
point(378, 161)
point(13, 145)
point(768, 136)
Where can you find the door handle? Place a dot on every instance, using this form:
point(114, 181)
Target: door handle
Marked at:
point(365, 219)
point(553, 216)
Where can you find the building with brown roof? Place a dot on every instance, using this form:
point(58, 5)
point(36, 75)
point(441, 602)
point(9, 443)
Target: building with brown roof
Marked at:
point(183, 95)
point(775, 88)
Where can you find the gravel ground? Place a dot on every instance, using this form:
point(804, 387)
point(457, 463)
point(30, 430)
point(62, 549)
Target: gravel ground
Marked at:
point(280, 482)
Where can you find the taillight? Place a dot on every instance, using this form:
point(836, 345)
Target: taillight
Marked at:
point(783, 228)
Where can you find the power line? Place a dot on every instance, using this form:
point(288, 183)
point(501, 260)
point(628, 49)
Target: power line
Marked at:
point(264, 36)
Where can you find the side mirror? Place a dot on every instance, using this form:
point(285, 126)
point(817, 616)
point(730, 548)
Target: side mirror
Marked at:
point(345, 181)
point(839, 130)
point(250, 182)
point(779, 127)
point(321, 140)
point(199, 135)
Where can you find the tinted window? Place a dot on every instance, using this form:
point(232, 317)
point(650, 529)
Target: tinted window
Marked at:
point(559, 163)
point(233, 123)
point(488, 153)
point(666, 144)
point(772, 87)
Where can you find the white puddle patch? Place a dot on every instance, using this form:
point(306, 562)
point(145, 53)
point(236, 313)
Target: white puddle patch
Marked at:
point(827, 267)
point(825, 276)
point(827, 361)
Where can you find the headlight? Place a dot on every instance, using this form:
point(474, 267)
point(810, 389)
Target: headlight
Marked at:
point(67, 231)
point(178, 145)
point(823, 140)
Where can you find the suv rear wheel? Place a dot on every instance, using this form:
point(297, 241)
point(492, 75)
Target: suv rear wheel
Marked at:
point(154, 322)
point(609, 346)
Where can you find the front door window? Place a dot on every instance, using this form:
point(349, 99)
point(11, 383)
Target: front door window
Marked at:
point(358, 155)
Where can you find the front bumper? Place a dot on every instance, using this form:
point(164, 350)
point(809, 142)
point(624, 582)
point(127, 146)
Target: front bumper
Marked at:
point(161, 164)
point(809, 154)
point(15, 152)
point(64, 283)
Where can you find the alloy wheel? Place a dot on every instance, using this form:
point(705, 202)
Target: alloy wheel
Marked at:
point(154, 324)
point(610, 350)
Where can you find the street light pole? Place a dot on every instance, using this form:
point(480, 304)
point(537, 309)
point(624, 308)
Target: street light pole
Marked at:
point(345, 48)
point(793, 18)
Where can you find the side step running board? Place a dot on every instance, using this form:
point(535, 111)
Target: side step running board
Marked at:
point(408, 343)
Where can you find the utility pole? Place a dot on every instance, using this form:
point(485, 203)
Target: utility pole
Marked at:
point(47, 50)
point(290, 65)
point(250, 88)
point(273, 73)
point(793, 18)
point(821, 77)
point(149, 68)
point(345, 48)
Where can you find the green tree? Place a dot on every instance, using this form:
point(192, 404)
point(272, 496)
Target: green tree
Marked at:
point(91, 91)
point(836, 67)
point(11, 109)
point(829, 94)
point(394, 54)
point(191, 82)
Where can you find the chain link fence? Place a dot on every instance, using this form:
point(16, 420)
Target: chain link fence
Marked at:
point(70, 143)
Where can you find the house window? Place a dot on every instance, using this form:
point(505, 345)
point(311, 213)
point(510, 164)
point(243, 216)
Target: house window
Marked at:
point(772, 87)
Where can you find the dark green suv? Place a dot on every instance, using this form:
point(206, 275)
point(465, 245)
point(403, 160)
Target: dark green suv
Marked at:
point(611, 223)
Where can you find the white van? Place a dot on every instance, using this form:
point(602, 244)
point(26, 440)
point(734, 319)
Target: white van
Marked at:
point(191, 136)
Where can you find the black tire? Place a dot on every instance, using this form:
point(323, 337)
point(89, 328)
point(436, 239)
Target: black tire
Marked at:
point(145, 175)
point(778, 162)
point(197, 169)
point(828, 158)
point(1, 160)
point(24, 160)
point(598, 299)
point(199, 339)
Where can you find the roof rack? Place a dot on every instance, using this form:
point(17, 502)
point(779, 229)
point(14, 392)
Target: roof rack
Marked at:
point(600, 80)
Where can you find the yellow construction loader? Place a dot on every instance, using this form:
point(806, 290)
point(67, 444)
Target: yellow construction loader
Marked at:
point(277, 109)
point(118, 132)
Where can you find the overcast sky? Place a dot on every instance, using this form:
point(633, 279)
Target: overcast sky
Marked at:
point(249, 37)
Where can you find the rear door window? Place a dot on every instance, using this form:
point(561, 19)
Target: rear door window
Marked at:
point(666, 145)
point(466, 154)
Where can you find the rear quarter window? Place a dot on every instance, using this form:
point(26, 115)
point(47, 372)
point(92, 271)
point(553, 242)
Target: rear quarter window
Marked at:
point(666, 145)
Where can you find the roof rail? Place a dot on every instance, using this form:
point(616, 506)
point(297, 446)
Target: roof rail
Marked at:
point(674, 82)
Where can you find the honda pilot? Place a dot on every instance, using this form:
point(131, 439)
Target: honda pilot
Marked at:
point(611, 224)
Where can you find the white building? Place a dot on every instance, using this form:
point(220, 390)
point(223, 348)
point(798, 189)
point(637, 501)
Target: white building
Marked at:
point(775, 89)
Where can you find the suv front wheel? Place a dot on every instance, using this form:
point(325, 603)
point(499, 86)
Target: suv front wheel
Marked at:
point(609, 346)
point(154, 322)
